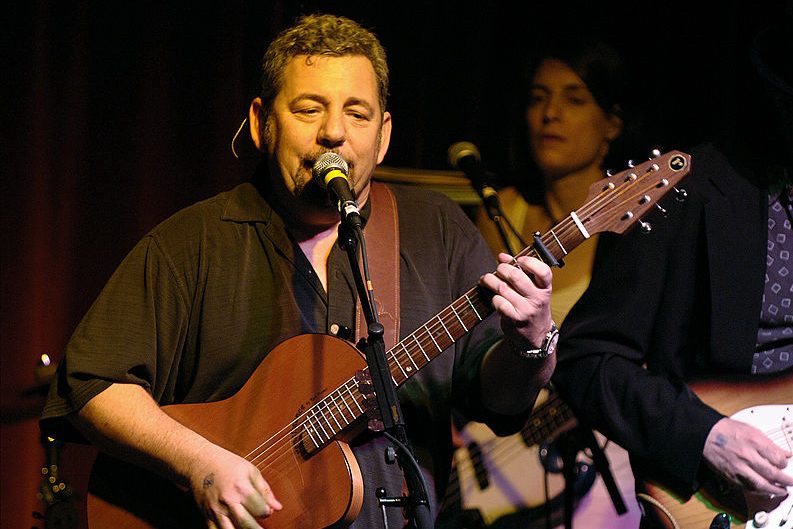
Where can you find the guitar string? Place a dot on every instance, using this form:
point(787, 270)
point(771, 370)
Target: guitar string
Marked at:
point(316, 410)
point(780, 436)
point(563, 228)
point(303, 419)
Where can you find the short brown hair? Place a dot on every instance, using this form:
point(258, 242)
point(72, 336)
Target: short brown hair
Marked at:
point(321, 34)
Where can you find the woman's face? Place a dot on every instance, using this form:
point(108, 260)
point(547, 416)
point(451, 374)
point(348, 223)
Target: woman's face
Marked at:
point(568, 131)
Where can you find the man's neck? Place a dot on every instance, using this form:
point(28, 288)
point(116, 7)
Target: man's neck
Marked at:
point(317, 246)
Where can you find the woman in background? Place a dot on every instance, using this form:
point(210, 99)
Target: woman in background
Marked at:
point(579, 122)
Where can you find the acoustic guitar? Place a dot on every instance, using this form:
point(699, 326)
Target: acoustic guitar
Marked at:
point(765, 402)
point(300, 444)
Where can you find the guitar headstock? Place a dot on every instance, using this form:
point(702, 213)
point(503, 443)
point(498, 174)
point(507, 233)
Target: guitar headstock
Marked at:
point(617, 202)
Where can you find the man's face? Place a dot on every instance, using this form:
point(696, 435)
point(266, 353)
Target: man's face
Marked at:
point(325, 104)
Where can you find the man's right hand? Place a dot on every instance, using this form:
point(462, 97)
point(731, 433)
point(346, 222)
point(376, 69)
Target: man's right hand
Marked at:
point(125, 420)
point(746, 456)
point(231, 491)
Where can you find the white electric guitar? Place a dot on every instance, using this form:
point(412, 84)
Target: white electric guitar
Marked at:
point(765, 403)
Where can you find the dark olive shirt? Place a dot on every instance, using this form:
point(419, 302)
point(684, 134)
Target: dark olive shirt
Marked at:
point(200, 300)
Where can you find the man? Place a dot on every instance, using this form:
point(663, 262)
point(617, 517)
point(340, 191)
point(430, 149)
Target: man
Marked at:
point(705, 296)
point(197, 305)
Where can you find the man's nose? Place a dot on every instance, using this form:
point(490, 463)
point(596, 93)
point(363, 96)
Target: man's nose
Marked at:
point(333, 131)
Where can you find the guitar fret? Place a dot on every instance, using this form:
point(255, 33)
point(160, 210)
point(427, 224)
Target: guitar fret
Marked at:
point(558, 242)
point(399, 365)
point(420, 347)
point(459, 319)
point(339, 413)
point(352, 396)
point(470, 317)
point(310, 430)
point(322, 421)
point(472, 306)
point(410, 356)
point(346, 405)
point(432, 337)
point(444, 328)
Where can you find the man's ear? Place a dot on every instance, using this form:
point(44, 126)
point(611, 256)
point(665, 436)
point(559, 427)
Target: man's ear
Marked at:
point(385, 137)
point(255, 117)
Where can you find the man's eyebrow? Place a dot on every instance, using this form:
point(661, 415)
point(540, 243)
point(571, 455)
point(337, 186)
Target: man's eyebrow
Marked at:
point(308, 96)
point(358, 101)
point(352, 101)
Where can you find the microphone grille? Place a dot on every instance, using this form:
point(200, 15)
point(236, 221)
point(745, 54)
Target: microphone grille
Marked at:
point(460, 150)
point(327, 162)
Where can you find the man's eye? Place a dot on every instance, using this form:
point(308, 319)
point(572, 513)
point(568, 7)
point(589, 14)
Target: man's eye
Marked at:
point(359, 116)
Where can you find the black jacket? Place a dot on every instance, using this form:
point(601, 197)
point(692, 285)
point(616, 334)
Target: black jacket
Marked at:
point(682, 301)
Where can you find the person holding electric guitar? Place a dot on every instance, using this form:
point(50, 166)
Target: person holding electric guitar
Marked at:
point(681, 349)
point(216, 367)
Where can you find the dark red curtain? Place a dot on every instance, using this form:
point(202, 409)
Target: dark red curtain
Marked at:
point(120, 113)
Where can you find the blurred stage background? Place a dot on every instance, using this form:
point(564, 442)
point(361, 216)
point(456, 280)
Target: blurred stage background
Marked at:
point(117, 114)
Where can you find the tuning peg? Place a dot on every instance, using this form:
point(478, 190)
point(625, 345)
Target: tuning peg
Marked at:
point(680, 194)
point(646, 227)
point(655, 153)
point(661, 209)
point(609, 172)
point(631, 163)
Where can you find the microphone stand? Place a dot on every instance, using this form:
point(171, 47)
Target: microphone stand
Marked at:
point(492, 205)
point(572, 442)
point(393, 426)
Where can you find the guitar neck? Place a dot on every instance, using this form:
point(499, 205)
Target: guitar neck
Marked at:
point(418, 349)
point(548, 420)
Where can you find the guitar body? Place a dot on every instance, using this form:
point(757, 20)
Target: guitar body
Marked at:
point(766, 403)
point(317, 490)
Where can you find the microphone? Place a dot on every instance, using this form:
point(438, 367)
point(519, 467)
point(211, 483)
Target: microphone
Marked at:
point(465, 157)
point(330, 172)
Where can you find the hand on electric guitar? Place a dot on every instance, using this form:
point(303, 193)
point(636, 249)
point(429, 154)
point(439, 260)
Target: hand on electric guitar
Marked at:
point(230, 490)
point(746, 456)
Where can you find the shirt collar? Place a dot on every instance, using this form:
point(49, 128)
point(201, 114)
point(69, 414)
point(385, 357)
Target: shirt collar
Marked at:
point(248, 203)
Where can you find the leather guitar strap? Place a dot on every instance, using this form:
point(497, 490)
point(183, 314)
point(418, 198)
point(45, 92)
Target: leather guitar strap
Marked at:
point(382, 229)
